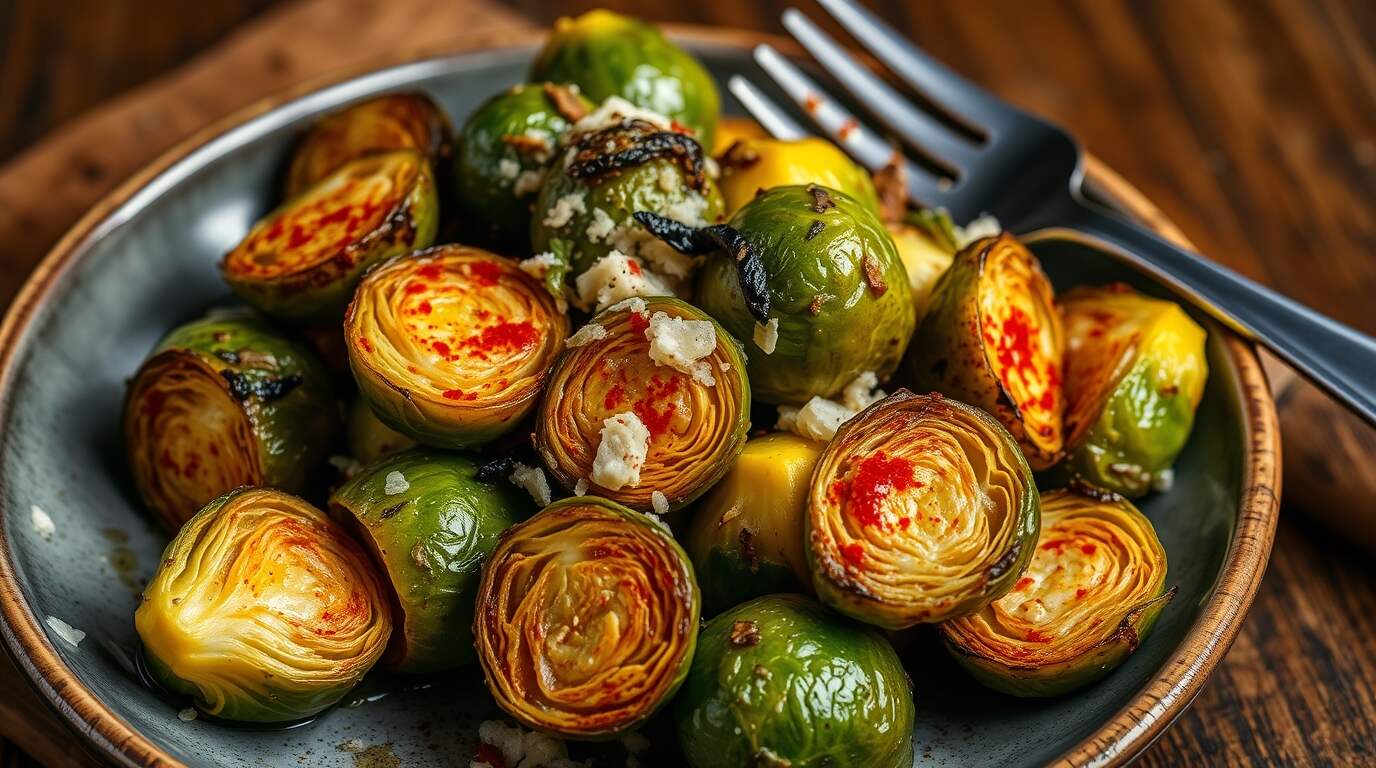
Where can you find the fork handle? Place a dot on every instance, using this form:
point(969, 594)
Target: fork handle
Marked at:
point(1336, 357)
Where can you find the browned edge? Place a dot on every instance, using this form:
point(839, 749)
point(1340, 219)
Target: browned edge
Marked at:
point(1113, 744)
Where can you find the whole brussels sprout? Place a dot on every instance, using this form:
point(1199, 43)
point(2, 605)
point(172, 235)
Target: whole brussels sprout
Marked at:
point(992, 337)
point(368, 438)
point(586, 620)
point(451, 346)
point(430, 523)
point(782, 681)
point(263, 610)
point(921, 509)
point(302, 261)
point(1135, 372)
point(751, 165)
point(1090, 596)
point(224, 402)
point(382, 124)
point(606, 54)
point(504, 150)
point(746, 534)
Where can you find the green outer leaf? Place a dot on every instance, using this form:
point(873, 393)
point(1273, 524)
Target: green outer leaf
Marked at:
point(853, 332)
point(938, 225)
point(607, 54)
point(368, 438)
point(431, 539)
point(816, 690)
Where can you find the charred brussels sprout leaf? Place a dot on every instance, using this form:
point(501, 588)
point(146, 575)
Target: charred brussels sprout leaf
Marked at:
point(384, 124)
point(586, 619)
point(430, 523)
point(504, 150)
point(746, 535)
point(838, 294)
point(992, 337)
point(781, 681)
point(921, 509)
point(606, 54)
point(1135, 371)
point(302, 261)
point(451, 346)
point(1092, 592)
point(221, 403)
point(297, 623)
point(368, 438)
point(751, 165)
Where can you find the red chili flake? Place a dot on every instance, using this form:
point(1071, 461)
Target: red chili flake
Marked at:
point(1056, 544)
point(503, 336)
point(364, 344)
point(166, 460)
point(1014, 343)
point(424, 307)
point(485, 273)
point(639, 322)
point(1036, 636)
point(441, 348)
point(614, 397)
point(414, 288)
point(152, 403)
point(459, 394)
point(482, 314)
point(873, 480)
point(854, 553)
point(905, 522)
point(429, 271)
point(657, 407)
point(1096, 332)
point(1088, 549)
point(299, 237)
point(1022, 584)
point(1079, 593)
point(678, 127)
point(633, 267)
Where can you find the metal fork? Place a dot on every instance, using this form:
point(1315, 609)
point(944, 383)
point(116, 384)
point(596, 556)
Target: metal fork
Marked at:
point(1029, 173)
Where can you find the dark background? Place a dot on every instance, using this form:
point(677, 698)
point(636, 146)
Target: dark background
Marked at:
point(1251, 123)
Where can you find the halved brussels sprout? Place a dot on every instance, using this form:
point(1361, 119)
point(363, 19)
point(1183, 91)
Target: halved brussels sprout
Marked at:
point(504, 150)
point(746, 535)
point(992, 337)
point(368, 438)
point(812, 277)
point(1094, 589)
point(650, 397)
point(451, 346)
point(302, 261)
point(606, 54)
point(607, 175)
point(1135, 371)
point(925, 259)
point(221, 403)
point(430, 523)
point(263, 610)
point(751, 165)
point(586, 620)
point(782, 681)
point(382, 124)
point(921, 509)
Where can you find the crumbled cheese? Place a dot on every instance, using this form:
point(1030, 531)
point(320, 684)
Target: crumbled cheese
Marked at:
point(187, 715)
point(682, 345)
point(621, 452)
point(533, 480)
point(634, 304)
point(818, 419)
point(546, 144)
point(538, 266)
point(635, 240)
point(564, 208)
point(524, 749)
point(601, 226)
point(617, 110)
point(580, 488)
point(586, 335)
point(527, 182)
point(347, 466)
point(767, 335)
point(1163, 481)
point(711, 167)
point(690, 210)
point(862, 392)
point(613, 278)
point(395, 483)
point(667, 180)
point(983, 225)
point(508, 169)
point(660, 503)
point(67, 632)
point(353, 746)
point(42, 524)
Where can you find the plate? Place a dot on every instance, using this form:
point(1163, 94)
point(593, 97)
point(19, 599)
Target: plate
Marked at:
point(144, 260)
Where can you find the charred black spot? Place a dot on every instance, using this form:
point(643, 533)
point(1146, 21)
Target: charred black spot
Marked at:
point(816, 229)
point(496, 469)
point(821, 199)
point(606, 153)
point(265, 388)
point(749, 553)
point(392, 510)
point(717, 237)
point(1005, 563)
point(745, 634)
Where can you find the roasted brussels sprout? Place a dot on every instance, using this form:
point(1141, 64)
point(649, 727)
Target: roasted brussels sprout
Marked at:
point(648, 406)
point(451, 346)
point(992, 337)
point(302, 261)
point(811, 276)
point(606, 54)
point(921, 509)
point(430, 523)
point(1091, 594)
point(263, 610)
point(1135, 371)
point(382, 124)
point(781, 681)
point(586, 619)
point(925, 259)
point(504, 150)
point(609, 173)
point(751, 165)
point(224, 402)
point(368, 438)
point(746, 535)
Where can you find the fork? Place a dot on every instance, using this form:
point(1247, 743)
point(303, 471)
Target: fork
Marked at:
point(1029, 174)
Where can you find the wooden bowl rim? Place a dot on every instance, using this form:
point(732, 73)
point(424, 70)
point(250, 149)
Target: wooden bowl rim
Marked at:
point(1115, 743)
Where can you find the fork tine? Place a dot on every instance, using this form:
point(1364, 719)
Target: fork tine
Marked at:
point(945, 88)
point(920, 130)
point(867, 147)
point(774, 119)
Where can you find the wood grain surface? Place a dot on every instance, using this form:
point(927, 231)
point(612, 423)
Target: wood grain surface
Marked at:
point(1251, 123)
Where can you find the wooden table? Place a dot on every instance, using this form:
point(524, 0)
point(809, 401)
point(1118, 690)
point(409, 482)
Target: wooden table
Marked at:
point(1252, 123)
